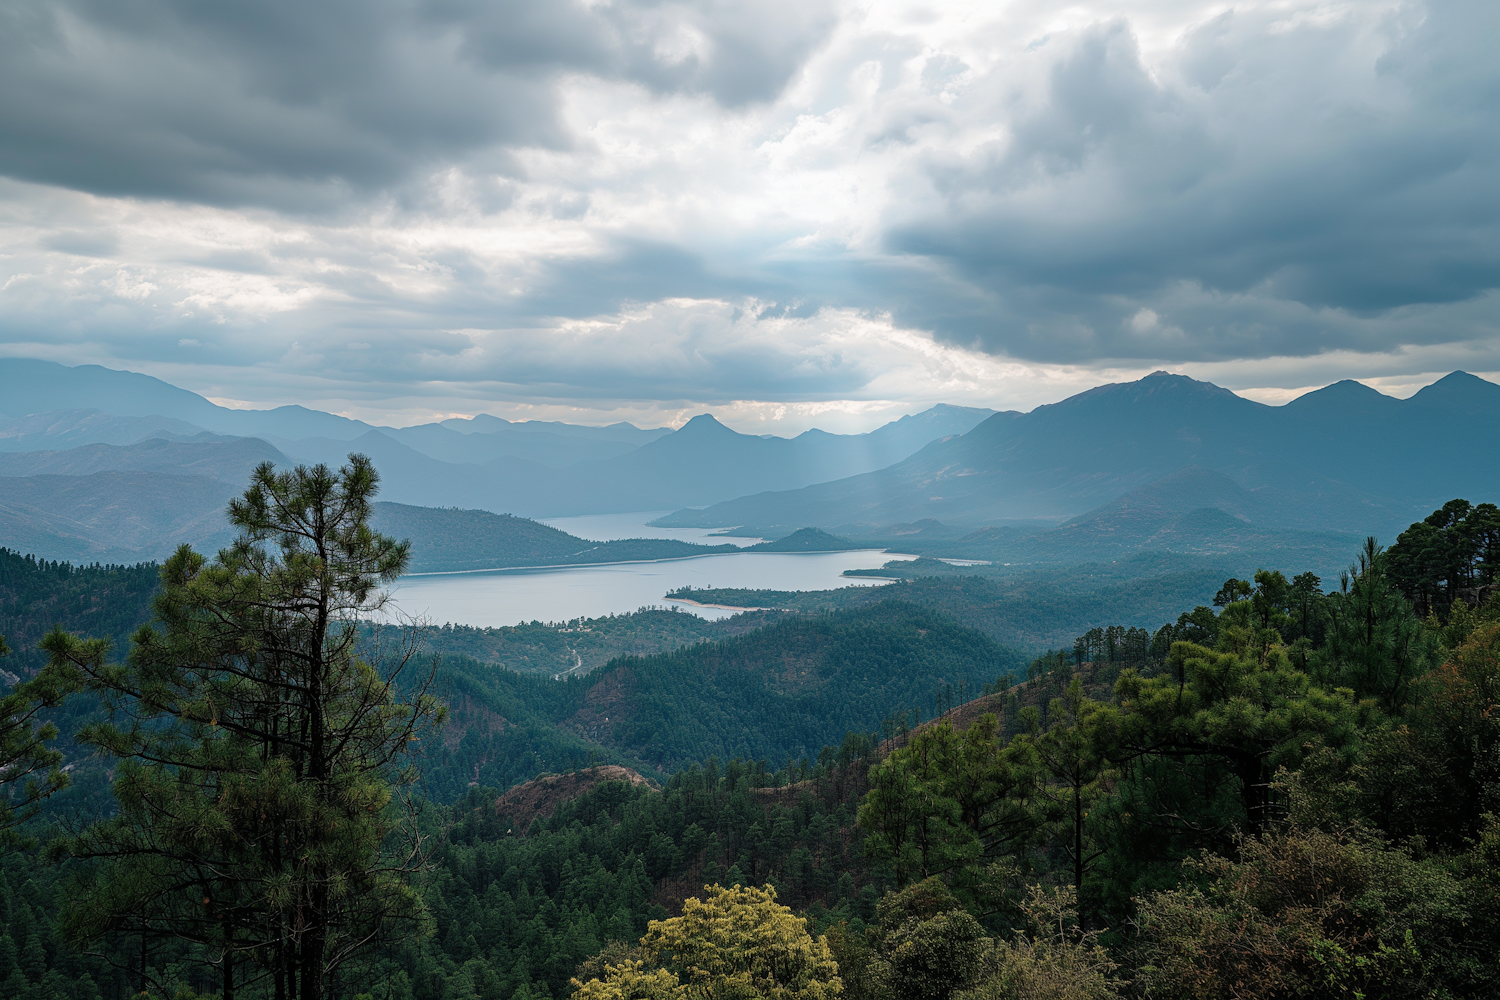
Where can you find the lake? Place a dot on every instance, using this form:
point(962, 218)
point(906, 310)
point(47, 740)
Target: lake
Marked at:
point(553, 595)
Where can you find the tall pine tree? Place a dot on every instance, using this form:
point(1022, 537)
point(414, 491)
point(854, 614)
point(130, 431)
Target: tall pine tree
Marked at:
point(263, 747)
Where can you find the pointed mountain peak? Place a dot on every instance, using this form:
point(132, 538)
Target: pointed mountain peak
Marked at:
point(702, 426)
point(1342, 395)
point(1461, 391)
point(1158, 388)
point(1464, 379)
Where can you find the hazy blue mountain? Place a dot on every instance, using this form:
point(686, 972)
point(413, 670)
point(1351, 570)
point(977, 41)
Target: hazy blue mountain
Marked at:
point(124, 503)
point(896, 440)
point(1344, 458)
point(69, 428)
point(549, 448)
point(506, 485)
point(704, 461)
point(534, 468)
point(622, 432)
point(29, 386)
point(287, 422)
point(701, 462)
point(133, 515)
point(1188, 489)
point(112, 516)
point(228, 459)
point(448, 539)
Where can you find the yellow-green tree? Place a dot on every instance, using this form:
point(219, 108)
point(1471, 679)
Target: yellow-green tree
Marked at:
point(737, 944)
point(631, 980)
point(1054, 958)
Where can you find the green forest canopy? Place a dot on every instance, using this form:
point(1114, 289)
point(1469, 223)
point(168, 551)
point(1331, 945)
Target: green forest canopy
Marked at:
point(1285, 794)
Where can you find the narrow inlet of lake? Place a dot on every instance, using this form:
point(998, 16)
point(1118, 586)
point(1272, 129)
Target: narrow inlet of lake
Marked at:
point(557, 595)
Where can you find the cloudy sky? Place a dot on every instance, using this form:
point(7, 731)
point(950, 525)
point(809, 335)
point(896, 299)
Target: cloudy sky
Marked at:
point(791, 212)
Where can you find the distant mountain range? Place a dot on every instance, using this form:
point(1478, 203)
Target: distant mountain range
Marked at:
point(1192, 512)
point(97, 464)
point(112, 517)
point(1343, 458)
point(531, 468)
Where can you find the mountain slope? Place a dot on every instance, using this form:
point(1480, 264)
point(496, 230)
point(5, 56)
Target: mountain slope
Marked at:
point(448, 539)
point(112, 516)
point(61, 429)
point(1344, 457)
point(704, 461)
point(29, 386)
point(776, 693)
point(533, 468)
point(229, 460)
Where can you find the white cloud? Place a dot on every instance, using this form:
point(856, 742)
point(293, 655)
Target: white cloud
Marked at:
point(979, 203)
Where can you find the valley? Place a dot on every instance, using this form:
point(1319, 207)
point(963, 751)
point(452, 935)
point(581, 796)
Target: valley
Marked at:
point(729, 500)
point(1056, 682)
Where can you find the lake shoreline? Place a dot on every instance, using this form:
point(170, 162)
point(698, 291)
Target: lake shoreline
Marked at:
point(720, 607)
point(628, 562)
point(567, 588)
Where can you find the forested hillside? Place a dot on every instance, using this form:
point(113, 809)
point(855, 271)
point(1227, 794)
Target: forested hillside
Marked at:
point(1193, 513)
point(515, 912)
point(777, 693)
point(1026, 608)
point(107, 602)
point(1276, 789)
point(584, 644)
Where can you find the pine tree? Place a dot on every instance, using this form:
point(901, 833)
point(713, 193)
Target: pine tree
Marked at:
point(1376, 644)
point(1079, 770)
point(34, 958)
point(29, 765)
point(262, 751)
point(10, 956)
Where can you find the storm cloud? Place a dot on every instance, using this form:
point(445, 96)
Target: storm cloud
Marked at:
point(301, 106)
point(637, 208)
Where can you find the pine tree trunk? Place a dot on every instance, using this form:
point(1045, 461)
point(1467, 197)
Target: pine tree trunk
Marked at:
point(1077, 837)
point(229, 964)
point(315, 936)
point(1252, 792)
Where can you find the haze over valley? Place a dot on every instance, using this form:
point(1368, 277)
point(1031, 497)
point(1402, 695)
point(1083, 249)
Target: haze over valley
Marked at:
point(1166, 463)
point(727, 500)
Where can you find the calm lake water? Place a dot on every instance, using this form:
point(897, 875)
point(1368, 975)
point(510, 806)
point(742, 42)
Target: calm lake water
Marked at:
point(554, 595)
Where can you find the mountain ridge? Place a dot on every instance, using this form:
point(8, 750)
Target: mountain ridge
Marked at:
point(1344, 457)
point(539, 469)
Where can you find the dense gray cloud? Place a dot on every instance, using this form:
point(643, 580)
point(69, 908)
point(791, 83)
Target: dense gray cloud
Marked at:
point(1343, 166)
point(640, 206)
point(302, 105)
